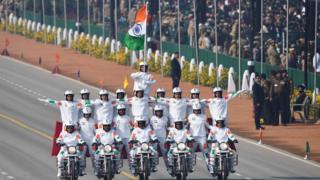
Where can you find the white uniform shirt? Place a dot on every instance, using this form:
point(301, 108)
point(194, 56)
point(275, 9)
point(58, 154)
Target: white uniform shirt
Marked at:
point(144, 81)
point(163, 102)
point(69, 110)
point(69, 139)
point(159, 125)
point(139, 106)
point(177, 109)
point(123, 126)
point(220, 134)
point(218, 108)
point(104, 137)
point(198, 125)
point(87, 129)
point(193, 101)
point(178, 135)
point(103, 110)
point(142, 135)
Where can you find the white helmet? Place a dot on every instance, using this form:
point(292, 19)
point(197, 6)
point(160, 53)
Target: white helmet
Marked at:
point(159, 90)
point(69, 123)
point(177, 90)
point(158, 108)
point(121, 106)
point(103, 92)
point(68, 92)
point(196, 106)
point(84, 91)
point(195, 91)
point(86, 110)
point(120, 91)
point(143, 63)
point(217, 89)
point(139, 118)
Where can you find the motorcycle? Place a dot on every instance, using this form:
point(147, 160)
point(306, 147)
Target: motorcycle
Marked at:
point(108, 164)
point(70, 169)
point(180, 160)
point(221, 160)
point(144, 160)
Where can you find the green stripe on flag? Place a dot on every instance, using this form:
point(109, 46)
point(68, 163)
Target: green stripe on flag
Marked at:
point(134, 43)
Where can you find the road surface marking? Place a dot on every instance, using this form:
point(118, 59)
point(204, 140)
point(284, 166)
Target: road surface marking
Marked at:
point(10, 177)
point(42, 134)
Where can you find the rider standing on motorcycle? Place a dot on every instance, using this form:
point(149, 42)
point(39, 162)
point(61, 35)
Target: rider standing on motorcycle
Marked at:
point(87, 128)
point(103, 107)
point(198, 126)
point(218, 105)
point(195, 98)
point(179, 134)
point(123, 126)
point(177, 106)
point(68, 137)
point(143, 134)
point(85, 101)
point(106, 136)
point(160, 99)
point(159, 124)
point(220, 133)
point(139, 104)
point(120, 98)
point(143, 79)
point(69, 108)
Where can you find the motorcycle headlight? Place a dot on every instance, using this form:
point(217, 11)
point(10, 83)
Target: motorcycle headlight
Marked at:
point(72, 150)
point(108, 148)
point(181, 146)
point(223, 146)
point(145, 147)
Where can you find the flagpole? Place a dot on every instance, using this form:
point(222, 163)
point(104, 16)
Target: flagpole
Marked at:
point(116, 26)
point(261, 37)
point(78, 24)
point(54, 21)
point(315, 46)
point(287, 36)
point(89, 29)
point(239, 46)
point(216, 38)
point(160, 20)
point(103, 28)
point(179, 45)
point(145, 35)
point(44, 22)
point(65, 14)
point(15, 14)
point(34, 10)
point(196, 39)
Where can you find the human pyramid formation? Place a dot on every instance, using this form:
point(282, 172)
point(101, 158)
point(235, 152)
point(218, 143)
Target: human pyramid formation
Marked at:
point(126, 121)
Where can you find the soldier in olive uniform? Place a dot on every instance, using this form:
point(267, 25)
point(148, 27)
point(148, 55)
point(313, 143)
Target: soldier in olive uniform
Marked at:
point(267, 107)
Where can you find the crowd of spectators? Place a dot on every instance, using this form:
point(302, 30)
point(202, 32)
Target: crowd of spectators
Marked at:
point(274, 26)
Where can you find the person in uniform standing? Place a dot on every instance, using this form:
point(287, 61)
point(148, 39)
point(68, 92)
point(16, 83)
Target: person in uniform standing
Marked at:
point(258, 100)
point(275, 98)
point(175, 71)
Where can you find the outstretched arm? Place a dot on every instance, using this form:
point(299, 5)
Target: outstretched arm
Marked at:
point(51, 102)
point(233, 95)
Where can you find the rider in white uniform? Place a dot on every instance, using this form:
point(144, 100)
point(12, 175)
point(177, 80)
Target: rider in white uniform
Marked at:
point(69, 137)
point(103, 107)
point(87, 128)
point(85, 101)
point(143, 134)
point(143, 79)
point(160, 99)
point(123, 126)
point(177, 106)
point(160, 124)
point(106, 136)
point(139, 104)
point(198, 126)
point(195, 98)
point(69, 108)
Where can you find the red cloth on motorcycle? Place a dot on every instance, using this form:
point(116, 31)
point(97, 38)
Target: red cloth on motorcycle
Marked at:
point(231, 145)
point(55, 147)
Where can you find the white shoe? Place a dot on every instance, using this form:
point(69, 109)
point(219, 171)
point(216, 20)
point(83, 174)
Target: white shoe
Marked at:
point(59, 173)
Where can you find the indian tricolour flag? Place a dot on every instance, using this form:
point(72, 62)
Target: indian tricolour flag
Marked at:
point(134, 39)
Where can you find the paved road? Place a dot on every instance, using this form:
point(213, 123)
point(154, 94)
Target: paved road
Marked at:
point(27, 124)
